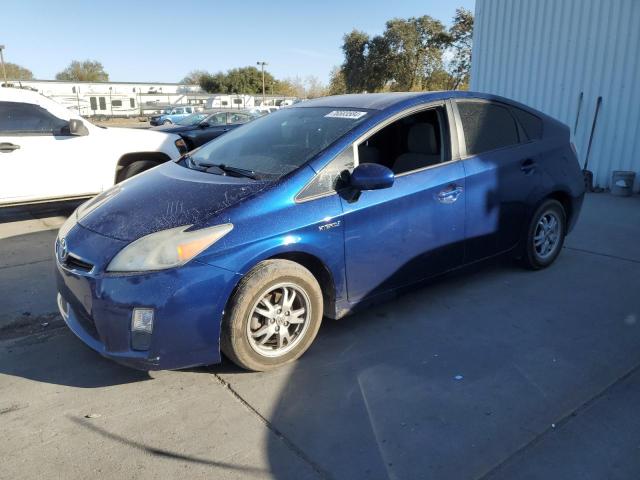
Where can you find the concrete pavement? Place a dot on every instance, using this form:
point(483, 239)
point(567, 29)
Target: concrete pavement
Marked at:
point(493, 373)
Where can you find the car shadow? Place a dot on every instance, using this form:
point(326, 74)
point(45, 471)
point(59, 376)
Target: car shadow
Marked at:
point(59, 358)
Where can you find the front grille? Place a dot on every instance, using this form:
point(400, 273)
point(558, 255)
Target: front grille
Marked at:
point(76, 263)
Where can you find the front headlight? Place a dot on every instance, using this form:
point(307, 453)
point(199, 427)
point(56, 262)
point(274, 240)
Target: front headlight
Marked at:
point(166, 249)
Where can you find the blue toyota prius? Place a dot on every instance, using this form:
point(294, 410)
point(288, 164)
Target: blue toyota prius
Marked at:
point(245, 244)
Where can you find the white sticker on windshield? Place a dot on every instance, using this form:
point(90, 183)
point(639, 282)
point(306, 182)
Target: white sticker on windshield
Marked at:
point(350, 114)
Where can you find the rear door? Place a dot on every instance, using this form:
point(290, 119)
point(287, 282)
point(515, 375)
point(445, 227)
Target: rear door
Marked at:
point(501, 176)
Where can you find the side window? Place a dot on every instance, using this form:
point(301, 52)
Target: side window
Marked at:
point(116, 103)
point(132, 103)
point(238, 118)
point(329, 178)
point(217, 119)
point(486, 126)
point(103, 103)
point(411, 143)
point(28, 119)
point(94, 103)
point(531, 124)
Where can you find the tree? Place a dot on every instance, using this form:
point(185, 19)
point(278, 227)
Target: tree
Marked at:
point(416, 48)
point(314, 88)
point(408, 55)
point(337, 85)
point(193, 77)
point(354, 47)
point(285, 87)
point(16, 72)
point(461, 33)
point(85, 71)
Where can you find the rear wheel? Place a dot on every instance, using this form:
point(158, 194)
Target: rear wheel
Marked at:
point(273, 317)
point(545, 236)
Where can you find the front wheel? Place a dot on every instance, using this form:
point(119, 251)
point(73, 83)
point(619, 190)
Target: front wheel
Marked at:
point(545, 236)
point(167, 122)
point(273, 317)
point(135, 168)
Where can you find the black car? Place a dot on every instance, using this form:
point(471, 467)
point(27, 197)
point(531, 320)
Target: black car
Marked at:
point(199, 128)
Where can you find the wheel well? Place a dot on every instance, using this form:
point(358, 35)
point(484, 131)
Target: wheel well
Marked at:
point(565, 201)
point(319, 270)
point(129, 158)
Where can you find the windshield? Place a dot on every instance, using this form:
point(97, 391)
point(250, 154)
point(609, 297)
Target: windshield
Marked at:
point(193, 119)
point(280, 142)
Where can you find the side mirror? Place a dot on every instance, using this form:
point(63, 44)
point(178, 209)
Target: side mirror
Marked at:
point(77, 127)
point(371, 176)
point(204, 125)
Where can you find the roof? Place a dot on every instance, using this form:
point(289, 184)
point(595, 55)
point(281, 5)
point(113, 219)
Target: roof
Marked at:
point(382, 101)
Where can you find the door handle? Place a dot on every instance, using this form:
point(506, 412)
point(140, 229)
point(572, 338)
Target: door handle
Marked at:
point(8, 147)
point(449, 194)
point(528, 166)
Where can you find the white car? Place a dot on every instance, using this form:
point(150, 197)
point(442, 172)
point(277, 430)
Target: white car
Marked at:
point(50, 153)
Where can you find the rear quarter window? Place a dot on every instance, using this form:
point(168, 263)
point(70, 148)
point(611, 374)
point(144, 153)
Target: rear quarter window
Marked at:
point(487, 126)
point(531, 124)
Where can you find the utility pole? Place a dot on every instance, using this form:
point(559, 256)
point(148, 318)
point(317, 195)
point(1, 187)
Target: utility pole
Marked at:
point(262, 64)
point(4, 72)
point(110, 104)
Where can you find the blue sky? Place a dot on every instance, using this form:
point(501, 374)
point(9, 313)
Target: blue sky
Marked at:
point(161, 40)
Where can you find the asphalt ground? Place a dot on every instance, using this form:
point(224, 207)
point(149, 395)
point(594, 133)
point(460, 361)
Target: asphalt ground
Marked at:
point(494, 372)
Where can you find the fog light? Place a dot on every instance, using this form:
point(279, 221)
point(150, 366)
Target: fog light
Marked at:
point(141, 328)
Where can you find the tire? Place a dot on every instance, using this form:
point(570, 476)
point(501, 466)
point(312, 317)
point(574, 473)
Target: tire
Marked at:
point(167, 122)
point(242, 319)
point(135, 168)
point(538, 253)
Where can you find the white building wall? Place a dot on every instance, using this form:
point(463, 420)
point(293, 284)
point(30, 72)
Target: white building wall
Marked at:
point(544, 53)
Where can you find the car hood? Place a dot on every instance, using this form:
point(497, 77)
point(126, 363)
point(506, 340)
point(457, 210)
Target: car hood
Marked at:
point(164, 197)
point(173, 128)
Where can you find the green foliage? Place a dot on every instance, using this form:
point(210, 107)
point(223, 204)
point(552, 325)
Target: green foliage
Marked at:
point(85, 71)
point(193, 77)
point(337, 84)
point(248, 80)
point(16, 72)
point(408, 55)
point(245, 80)
point(354, 46)
point(461, 41)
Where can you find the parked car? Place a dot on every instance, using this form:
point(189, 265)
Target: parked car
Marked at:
point(315, 210)
point(171, 116)
point(47, 152)
point(199, 128)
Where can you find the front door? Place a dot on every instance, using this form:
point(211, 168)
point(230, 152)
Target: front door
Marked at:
point(415, 228)
point(38, 160)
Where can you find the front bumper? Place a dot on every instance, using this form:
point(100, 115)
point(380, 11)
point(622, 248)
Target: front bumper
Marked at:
point(188, 304)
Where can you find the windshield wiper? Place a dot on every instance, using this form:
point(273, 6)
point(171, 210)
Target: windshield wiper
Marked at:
point(243, 172)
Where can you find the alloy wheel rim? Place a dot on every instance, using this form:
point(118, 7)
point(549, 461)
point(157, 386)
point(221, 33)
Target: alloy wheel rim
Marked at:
point(546, 237)
point(278, 320)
